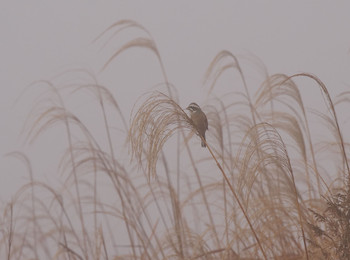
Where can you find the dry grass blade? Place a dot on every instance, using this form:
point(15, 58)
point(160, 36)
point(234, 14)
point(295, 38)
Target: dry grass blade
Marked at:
point(154, 123)
point(120, 26)
point(331, 108)
point(138, 42)
point(216, 69)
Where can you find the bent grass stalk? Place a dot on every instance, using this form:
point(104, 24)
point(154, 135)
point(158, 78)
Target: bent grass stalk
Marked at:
point(235, 195)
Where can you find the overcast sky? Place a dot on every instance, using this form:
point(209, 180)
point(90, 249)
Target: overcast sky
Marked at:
point(40, 39)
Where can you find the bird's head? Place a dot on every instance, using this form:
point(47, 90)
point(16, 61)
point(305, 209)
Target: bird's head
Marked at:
point(193, 107)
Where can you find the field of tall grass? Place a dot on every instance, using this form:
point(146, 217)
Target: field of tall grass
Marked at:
point(267, 186)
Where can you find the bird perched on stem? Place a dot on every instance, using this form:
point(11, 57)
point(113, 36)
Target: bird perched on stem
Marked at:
point(199, 119)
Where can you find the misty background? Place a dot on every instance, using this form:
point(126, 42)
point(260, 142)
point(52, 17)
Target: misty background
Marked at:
point(41, 39)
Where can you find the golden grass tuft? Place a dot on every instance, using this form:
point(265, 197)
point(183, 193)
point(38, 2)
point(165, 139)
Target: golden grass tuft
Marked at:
point(157, 119)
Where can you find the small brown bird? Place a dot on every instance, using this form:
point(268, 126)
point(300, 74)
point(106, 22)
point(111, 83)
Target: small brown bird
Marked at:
point(199, 119)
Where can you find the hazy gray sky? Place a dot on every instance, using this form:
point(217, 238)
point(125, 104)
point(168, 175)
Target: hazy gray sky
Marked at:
point(40, 39)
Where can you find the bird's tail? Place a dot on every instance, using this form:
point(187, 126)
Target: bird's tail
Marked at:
point(203, 143)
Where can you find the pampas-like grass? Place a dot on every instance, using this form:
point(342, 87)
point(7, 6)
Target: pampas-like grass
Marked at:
point(154, 123)
point(258, 191)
